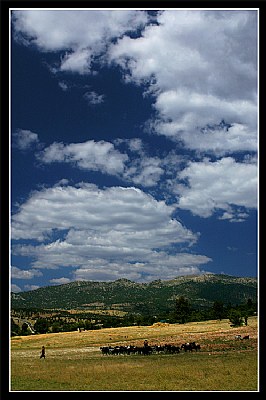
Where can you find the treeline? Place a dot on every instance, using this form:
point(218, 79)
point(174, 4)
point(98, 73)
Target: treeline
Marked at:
point(237, 314)
point(183, 311)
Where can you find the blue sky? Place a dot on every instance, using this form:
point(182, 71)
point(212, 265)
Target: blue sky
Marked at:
point(134, 144)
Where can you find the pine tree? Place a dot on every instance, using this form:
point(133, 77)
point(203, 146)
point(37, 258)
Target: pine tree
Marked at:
point(182, 310)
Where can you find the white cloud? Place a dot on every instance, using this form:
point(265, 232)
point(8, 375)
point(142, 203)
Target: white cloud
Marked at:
point(201, 69)
point(24, 139)
point(195, 120)
point(200, 74)
point(122, 227)
point(62, 182)
point(60, 281)
point(94, 98)
point(18, 273)
point(82, 34)
point(102, 156)
point(194, 62)
point(199, 50)
point(140, 168)
point(135, 144)
point(91, 155)
point(15, 288)
point(218, 185)
point(31, 287)
point(145, 171)
point(115, 210)
point(78, 61)
point(159, 266)
point(202, 187)
point(63, 85)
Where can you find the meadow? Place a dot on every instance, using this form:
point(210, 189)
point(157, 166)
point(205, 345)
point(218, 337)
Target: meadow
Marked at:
point(74, 361)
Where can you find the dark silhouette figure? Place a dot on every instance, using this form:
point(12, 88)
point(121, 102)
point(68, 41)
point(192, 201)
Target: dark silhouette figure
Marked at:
point(43, 352)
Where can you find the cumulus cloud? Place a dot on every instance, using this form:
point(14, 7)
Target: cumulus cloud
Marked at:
point(200, 73)
point(24, 139)
point(202, 187)
point(234, 215)
point(218, 185)
point(141, 169)
point(145, 171)
point(87, 35)
point(15, 288)
point(78, 61)
point(60, 281)
point(124, 228)
point(196, 120)
point(192, 61)
point(94, 98)
point(63, 85)
point(18, 273)
point(104, 157)
point(31, 287)
point(91, 155)
point(161, 266)
point(200, 69)
point(122, 211)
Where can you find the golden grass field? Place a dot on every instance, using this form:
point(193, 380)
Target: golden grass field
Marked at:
point(74, 361)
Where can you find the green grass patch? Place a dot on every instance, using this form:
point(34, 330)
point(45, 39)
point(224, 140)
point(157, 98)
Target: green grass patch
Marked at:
point(179, 372)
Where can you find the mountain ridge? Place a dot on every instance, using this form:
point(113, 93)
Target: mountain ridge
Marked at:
point(126, 295)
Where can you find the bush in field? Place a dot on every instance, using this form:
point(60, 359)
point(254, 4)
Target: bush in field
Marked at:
point(41, 325)
point(236, 318)
point(15, 329)
point(183, 310)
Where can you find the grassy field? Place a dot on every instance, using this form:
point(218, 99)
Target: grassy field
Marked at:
point(74, 361)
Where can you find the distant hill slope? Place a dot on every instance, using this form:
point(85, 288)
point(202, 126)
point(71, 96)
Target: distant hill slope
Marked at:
point(156, 296)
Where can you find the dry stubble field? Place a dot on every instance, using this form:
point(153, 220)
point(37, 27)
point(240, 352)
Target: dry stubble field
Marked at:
point(74, 361)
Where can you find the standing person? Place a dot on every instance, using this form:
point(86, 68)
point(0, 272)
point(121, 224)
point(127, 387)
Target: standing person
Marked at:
point(43, 352)
point(146, 348)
